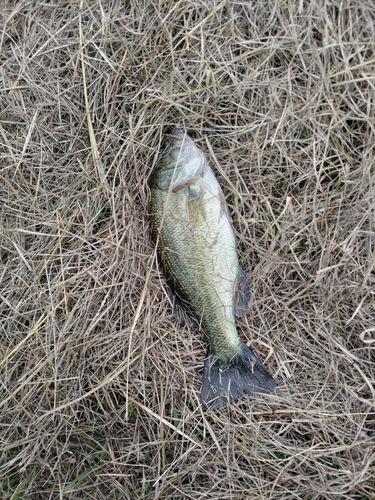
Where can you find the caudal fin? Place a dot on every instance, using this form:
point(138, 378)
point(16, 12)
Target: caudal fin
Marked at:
point(226, 381)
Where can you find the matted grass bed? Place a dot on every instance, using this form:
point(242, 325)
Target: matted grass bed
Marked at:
point(99, 385)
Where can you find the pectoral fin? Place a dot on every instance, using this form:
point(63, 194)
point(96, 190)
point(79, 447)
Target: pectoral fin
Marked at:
point(243, 296)
point(195, 205)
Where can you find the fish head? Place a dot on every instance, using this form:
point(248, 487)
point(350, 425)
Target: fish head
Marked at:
point(180, 163)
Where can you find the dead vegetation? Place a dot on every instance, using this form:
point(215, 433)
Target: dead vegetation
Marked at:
point(99, 387)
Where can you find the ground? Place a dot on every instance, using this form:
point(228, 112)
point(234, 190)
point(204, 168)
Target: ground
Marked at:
point(99, 385)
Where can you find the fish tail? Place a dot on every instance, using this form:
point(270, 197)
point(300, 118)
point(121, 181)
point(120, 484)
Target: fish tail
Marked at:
point(226, 381)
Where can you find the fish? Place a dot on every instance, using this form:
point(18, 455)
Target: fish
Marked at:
point(192, 226)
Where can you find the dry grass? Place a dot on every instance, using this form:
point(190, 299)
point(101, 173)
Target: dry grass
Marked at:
point(99, 387)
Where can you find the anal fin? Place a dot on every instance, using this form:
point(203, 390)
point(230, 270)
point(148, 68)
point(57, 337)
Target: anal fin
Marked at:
point(243, 296)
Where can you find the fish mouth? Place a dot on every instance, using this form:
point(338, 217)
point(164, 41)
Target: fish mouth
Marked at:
point(174, 131)
point(176, 139)
point(180, 163)
point(170, 138)
point(180, 146)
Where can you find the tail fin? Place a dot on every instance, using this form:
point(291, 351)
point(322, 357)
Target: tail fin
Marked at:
point(226, 381)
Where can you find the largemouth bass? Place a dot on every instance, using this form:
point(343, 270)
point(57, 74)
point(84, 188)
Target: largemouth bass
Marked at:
point(196, 245)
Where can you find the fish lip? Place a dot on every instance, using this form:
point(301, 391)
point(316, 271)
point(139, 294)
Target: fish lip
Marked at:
point(176, 133)
point(176, 140)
